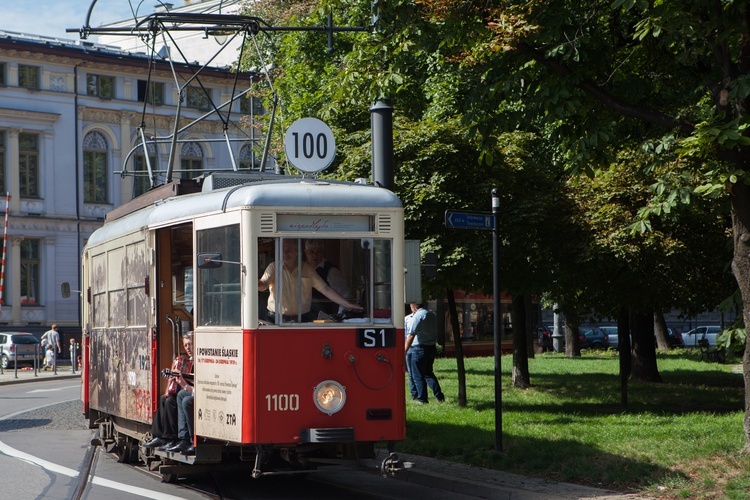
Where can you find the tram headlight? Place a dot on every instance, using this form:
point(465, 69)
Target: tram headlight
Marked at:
point(329, 396)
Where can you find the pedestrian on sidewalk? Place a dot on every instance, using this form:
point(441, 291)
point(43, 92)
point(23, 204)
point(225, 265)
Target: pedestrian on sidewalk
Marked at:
point(49, 358)
point(421, 348)
point(51, 338)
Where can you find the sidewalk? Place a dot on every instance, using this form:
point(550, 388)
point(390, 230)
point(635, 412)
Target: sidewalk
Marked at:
point(26, 373)
point(457, 478)
point(496, 485)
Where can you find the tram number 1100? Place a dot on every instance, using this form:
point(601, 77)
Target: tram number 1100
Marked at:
point(282, 402)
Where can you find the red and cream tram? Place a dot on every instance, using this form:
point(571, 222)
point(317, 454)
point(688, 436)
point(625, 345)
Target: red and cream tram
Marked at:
point(277, 392)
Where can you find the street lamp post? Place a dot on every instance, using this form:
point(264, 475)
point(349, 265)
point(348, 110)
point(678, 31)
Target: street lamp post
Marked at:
point(498, 324)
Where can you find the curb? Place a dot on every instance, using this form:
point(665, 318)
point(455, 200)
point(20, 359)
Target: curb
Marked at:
point(495, 485)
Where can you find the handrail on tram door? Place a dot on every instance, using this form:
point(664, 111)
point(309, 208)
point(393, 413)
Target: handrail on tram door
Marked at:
point(175, 336)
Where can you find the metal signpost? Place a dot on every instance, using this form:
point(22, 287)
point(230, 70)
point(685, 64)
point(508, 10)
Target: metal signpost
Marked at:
point(488, 221)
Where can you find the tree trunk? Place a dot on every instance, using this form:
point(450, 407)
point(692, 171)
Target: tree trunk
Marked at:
point(520, 373)
point(626, 358)
point(644, 350)
point(460, 367)
point(530, 327)
point(660, 330)
point(741, 270)
point(572, 325)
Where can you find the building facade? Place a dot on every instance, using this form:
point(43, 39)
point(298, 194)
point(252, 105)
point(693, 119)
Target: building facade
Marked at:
point(72, 115)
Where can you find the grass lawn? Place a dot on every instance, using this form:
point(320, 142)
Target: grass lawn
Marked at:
point(677, 439)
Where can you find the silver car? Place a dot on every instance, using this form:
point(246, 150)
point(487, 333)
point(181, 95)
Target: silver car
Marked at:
point(19, 346)
point(709, 333)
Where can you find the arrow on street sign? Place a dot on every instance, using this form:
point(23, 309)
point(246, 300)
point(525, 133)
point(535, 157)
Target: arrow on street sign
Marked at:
point(468, 220)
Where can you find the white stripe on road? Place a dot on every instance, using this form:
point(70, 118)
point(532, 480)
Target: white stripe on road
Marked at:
point(59, 469)
point(44, 464)
point(65, 471)
point(57, 389)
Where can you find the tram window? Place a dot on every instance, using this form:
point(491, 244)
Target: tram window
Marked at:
point(218, 297)
point(359, 270)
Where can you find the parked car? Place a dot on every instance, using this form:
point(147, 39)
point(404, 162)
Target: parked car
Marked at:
point(675, 338)
point(544, 334)
point(595, 339)
point(691, 338)
point(19, 346)
point(612, 337)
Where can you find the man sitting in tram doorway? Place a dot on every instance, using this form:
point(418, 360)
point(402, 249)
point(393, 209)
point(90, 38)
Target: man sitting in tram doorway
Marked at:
point(164, 425)
point(296, 287)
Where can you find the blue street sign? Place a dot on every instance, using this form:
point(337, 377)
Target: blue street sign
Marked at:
point(466, 220)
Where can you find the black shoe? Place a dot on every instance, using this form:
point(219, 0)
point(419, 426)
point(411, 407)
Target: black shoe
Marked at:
point(180, 447)
point(189, 451)
point(168, 445)
point(156, 442)
point(441, 399)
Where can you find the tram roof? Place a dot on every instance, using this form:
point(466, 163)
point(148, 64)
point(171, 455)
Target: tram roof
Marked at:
point(273, 193)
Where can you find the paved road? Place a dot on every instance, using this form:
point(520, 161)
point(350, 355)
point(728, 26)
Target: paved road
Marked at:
point(442, 478)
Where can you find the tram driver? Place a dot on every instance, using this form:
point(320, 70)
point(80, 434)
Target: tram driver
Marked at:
point(291, 310)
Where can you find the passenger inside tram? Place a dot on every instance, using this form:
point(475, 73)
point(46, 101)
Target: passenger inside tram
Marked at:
point(292, 296)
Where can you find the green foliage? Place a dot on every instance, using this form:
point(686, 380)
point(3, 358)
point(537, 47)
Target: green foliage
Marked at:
point(733, 340)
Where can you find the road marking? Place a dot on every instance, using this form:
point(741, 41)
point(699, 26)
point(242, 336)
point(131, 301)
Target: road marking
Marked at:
point(107, 483)
point(53, 390)
point(65, 471)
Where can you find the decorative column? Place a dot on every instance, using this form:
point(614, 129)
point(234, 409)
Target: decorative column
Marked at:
point(15, 275)
point(14, 182)
point(126, 183)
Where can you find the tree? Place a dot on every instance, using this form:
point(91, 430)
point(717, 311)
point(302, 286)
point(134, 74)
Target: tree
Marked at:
point(670, 78)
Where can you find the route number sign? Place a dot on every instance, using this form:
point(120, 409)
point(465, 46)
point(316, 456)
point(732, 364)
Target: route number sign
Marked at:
point(309, 145)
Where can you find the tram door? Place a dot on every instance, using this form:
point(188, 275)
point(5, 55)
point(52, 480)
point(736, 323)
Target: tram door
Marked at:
point(174, 292)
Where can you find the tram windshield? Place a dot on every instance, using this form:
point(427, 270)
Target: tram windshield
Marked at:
point(324, 280)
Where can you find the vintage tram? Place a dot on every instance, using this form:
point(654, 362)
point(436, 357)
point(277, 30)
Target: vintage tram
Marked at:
point(273, 393)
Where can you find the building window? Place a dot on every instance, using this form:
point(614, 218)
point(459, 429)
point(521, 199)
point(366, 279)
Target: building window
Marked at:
point(248, 159)
point(191, 160)
point(2, 73)
point(2, 161)
point(250, 105)
point(28, 165)
point(141, 182)
point(152, 93)
point(95, 171)
point(30, 266)
point(28, 77)
point(198, 98)
point(100, 86)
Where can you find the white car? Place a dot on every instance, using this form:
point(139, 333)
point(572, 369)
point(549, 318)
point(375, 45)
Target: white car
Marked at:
point(709, 333)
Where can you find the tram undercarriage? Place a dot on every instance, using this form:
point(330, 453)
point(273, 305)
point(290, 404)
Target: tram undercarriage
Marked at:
point(125, 439)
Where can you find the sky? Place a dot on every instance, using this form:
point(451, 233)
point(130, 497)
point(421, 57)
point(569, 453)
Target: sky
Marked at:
point(53, 17)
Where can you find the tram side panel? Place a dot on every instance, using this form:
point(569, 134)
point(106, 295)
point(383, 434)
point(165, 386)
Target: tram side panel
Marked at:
point(119, 354)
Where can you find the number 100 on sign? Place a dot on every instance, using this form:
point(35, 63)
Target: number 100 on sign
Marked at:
point(309, 145)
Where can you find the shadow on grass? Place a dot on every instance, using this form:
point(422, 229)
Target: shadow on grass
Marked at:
point(559, 460)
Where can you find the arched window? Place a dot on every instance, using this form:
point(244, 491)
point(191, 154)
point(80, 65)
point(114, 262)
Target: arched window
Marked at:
point(95, 171)
point(248, 159)
point(191, 160)
point(141, 182)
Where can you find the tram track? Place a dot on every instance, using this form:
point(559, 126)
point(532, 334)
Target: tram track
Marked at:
point(212, 490)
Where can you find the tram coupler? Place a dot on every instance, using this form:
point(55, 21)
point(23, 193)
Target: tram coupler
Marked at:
point(391, 465)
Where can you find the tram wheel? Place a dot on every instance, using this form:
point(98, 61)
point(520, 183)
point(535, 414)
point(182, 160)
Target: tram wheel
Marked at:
point(169, 478)
point(124, 452)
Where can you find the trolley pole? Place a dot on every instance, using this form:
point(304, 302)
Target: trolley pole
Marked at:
point(498, 320)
